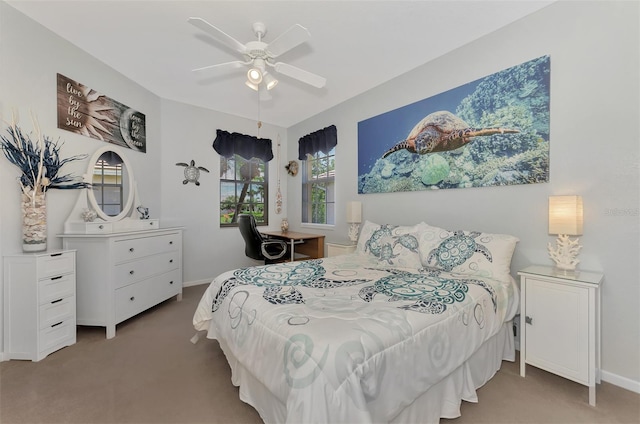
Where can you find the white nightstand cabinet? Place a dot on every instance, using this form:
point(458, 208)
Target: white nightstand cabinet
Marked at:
point(123, 274)
point(335, 249)
point(39, 303)
point(560, 324)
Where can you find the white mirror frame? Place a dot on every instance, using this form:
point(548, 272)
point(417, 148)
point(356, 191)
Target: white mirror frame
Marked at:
point(126, 209)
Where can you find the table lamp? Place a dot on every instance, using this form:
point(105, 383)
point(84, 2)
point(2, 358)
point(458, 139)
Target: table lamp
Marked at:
point(565, 219)
point(354, 218)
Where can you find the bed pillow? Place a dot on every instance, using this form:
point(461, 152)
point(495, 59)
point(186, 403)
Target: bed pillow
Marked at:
point(467, 252)
point(395, 245)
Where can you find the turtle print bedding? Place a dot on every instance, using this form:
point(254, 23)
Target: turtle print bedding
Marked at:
point(356, 338)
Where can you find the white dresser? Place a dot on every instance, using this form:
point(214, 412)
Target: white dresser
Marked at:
point(39, 303)
point(123, 274)
point(560, 324)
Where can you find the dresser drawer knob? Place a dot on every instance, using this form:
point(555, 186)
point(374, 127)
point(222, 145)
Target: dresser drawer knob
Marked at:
point(57, 324)
point(170, 242)
point(56, 278)
point(132, 298)
point(56, 301)
point(131, 249)
point(170, 282)
point(131, 272)
point(100, 227)
point(170, 261)
point(56, 254)
point(151, 223)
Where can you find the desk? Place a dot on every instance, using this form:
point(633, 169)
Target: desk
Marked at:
point(310, 245)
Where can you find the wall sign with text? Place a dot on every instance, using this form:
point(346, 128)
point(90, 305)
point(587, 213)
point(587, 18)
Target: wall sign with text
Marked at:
point(83, 110)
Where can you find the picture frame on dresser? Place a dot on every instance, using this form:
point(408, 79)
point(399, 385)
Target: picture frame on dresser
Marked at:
point(125, 264)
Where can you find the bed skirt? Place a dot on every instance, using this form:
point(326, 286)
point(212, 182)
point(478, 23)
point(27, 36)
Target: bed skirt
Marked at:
point(442, 400)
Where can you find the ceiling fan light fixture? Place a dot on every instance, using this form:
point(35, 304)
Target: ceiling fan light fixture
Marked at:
point(252, 86)
point(269, 80)
point(254, 75)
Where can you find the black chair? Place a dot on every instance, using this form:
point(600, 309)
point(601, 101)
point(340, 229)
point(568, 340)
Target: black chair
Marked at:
point(258, 247)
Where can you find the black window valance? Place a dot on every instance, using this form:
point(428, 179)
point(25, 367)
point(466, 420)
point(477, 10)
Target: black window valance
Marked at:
point(319, 141)
point(229, 144)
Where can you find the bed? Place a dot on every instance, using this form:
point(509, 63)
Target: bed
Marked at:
point(401, 330)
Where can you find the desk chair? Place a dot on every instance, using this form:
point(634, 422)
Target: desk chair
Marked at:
point(258, 247)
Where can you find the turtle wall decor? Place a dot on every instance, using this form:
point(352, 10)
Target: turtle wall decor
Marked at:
point(191, 172)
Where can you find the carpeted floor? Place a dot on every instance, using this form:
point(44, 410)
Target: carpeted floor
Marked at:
point(151, 373)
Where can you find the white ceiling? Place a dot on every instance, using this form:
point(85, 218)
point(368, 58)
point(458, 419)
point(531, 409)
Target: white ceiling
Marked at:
point(355, 45)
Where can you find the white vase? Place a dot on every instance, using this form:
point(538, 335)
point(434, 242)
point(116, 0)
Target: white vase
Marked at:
point(34, 223)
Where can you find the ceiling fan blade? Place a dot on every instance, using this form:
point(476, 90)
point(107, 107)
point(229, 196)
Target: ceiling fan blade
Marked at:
point(300, 74)
point(218, 34)
point(221, 66)
point(289, 39)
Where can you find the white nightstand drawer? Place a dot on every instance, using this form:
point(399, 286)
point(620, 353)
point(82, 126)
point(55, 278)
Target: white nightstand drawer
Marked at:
point(57, 288)
point(55, 264)
point(135, 248)
point(130, 272)
point(57, 311)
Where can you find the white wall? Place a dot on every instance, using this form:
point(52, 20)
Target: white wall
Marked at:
point(594, 51)
point(188, 133)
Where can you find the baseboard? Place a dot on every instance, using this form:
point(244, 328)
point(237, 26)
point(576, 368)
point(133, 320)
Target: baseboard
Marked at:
point(616, 380)
point(196, 283)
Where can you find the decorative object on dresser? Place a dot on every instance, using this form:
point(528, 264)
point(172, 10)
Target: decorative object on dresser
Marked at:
point(560, 324)
point(354, 218)
point(565, 219)
point(39, 303)
point(111, 176)
point(39, 160)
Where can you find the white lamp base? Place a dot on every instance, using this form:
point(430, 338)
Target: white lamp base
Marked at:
point(354, 227)
point(566, 252)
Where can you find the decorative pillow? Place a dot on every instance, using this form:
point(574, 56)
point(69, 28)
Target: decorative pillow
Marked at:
point(467, 252)
point(395, 245)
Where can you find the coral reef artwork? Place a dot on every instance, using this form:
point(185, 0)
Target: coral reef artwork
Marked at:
point(490, 132)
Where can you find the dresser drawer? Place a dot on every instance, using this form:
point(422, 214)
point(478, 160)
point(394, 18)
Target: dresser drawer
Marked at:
point(167, 285)
point(132, 299)
point(57, 335)
point(55, 288)
point(129, 272)
point(135, 248)
point(55, 264)
point(57, 311)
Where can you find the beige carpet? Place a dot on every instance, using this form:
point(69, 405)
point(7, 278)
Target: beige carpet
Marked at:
point(151, 373)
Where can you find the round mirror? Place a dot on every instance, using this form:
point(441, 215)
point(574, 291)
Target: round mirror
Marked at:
point(112, 185)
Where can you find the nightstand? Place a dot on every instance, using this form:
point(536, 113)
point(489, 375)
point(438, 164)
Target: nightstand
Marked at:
point(560, 324)
point(335, 249)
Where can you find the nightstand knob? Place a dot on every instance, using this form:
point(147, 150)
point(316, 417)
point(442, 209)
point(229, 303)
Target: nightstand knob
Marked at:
point(528, 320)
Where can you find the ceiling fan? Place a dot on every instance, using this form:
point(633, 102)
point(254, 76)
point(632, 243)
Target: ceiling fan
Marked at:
point(259, 55)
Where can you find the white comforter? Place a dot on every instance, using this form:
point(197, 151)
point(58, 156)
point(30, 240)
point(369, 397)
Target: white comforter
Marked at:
point(346, 339)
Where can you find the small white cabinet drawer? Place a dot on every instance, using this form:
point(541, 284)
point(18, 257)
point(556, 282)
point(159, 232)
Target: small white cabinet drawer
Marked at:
point(130, 272)
point(135, 248)
point(58, 335)
point(57, 311)
point(55, 288)
point(55, 264)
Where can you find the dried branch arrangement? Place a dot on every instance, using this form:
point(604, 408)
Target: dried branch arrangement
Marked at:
point(39, 160)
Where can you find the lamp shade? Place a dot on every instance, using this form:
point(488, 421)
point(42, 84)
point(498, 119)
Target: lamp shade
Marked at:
point(354, 212)
point(565, 215)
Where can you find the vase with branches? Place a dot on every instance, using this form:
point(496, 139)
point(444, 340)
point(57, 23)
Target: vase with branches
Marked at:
point(39, 161)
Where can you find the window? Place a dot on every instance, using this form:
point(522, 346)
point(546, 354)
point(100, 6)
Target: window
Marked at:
point(243, 189)
point(318, 188)
point(107, 186)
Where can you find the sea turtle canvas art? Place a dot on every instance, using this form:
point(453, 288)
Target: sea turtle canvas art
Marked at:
point(490, 132)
